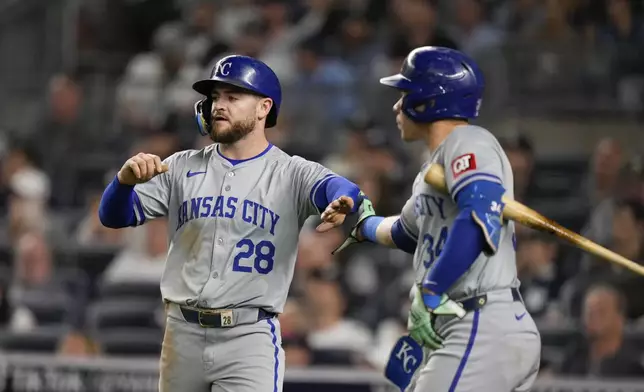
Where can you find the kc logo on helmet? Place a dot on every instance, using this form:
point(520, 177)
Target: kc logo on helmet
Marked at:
point(223, 69)
point(463, 164)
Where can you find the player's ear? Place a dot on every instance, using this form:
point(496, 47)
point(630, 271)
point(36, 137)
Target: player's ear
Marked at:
point(264, 107)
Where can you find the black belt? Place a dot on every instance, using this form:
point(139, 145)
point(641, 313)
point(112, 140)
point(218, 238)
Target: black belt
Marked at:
point(479, 301)
point(216, 318)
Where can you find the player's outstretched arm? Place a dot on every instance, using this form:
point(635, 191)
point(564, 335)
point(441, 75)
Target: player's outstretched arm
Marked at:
point(389, 231)
point(336, 197)
point(116, 209)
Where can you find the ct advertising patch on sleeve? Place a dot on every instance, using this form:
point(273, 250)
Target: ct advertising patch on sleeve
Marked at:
point(463, 163)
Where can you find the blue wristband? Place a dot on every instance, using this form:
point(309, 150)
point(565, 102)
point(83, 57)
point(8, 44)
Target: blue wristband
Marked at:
point(369, 227)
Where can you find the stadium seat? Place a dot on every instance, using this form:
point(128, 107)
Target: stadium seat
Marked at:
point(150, 291)
point(42, 339)
point(123, 313)
point(131, 342)
point(558, 336)
point(48, 307)
point(333, 357)
point(94, 261)
point(634, 338)
point(559, 177)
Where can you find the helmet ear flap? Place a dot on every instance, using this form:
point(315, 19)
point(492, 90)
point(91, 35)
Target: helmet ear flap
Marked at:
point(203, 113)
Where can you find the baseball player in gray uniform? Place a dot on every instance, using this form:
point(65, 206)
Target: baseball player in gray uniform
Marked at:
point(468, 326)
point(235, 210)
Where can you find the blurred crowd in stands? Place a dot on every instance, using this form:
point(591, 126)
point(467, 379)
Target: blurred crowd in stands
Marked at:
point(71, 286)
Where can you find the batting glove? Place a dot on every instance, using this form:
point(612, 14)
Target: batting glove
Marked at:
point(365, 211)
point(420, 323)
point(442, 305)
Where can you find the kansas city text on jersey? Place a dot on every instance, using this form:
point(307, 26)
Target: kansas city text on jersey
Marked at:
point(227, 207)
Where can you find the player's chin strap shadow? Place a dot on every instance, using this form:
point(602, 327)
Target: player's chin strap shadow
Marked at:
point(405, 359)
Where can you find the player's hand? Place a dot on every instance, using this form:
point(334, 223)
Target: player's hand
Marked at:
point(365, 211)
point(141, 168)
point(442, 305)
point(420, 323)
point(335, 213)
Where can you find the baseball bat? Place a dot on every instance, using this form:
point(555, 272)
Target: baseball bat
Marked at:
point(520, 213)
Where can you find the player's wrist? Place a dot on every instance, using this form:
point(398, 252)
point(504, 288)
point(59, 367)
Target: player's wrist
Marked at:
point(368, 228)
point(120, 180)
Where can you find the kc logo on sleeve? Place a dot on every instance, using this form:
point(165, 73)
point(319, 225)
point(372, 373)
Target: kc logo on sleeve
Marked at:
point(405, 358)
point(463, 163)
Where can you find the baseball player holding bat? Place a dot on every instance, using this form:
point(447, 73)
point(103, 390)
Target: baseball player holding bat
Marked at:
point(466, 313)
point(235, 210)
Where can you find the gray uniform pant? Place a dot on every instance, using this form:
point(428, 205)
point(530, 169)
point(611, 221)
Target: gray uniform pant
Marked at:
point(495, 348)
point(243, 358)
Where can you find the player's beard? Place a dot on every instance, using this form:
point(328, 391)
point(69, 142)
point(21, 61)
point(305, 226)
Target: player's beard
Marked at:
point(236, 131)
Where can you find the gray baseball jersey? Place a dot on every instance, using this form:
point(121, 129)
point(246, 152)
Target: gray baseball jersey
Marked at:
point(498, 346)
point(468, 154)
point(233, 226)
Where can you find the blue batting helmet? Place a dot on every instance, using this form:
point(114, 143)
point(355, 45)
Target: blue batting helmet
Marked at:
point(246, 73)
point(441, 83)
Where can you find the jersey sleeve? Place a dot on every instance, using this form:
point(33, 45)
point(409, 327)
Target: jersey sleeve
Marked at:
point(471, 155)
point(408, 216)
point(151, 199)
point(308, 177)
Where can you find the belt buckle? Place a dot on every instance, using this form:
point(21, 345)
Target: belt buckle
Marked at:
point(225, 318)
point(206, 313)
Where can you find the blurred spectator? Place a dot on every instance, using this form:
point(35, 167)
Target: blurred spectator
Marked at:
point(203, 43)
point(473, 33)
point(297, 352)
point(536, 257)
point(282, 38)
point(627, 239)
point(13, 318)
point(633, 179)
point(28, 202)
point(233, 16)
point(131, 265)
point(628, 230)
point(556, 29)
point(33, 262)
point(417, 21)
point(603, 352)
point(38, 287)
point(250, 42)
point(63, 128)
point(313, 252)
point(139, 93)
point(356, 44)
point(77, 344)
point(293, 325)
point(388, 331)
point(293, 321)
point(351, 158)
point(521, 156)
point(623, 37)
point(90, 231)
point(333, 337)
point(600, 188)
point(161, 144)
point(520, 19)
point(141, 102)
point(330, 78)
point(481, 40)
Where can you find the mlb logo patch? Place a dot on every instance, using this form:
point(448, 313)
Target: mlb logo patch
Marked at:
point(462, 164)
